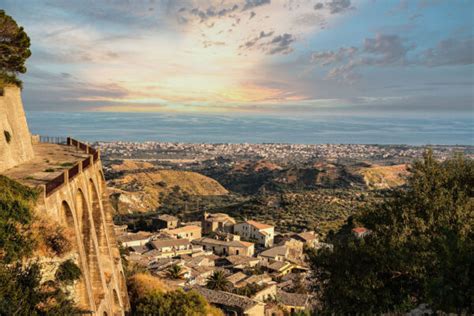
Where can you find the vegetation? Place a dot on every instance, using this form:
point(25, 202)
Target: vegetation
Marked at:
point(149, 296)
point(420, 248)
point(68, 272)
point(218, 281)
point(8, 136)
point(14, 50)
point(21, 290)
point(175, 272)
point(249, 290)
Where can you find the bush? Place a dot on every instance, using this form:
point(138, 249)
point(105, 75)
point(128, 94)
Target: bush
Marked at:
point(68, 272)
point(8, 136)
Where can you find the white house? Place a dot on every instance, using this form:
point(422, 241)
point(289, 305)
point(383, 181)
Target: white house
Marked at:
point(262, 234)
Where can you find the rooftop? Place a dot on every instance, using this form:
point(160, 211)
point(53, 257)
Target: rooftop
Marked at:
point(258, 225)
point(167, 218)
point(49, 162)
point(160, 243)
point(226, 299)
point(292, 299)
point(233, 243)
point(275, 251)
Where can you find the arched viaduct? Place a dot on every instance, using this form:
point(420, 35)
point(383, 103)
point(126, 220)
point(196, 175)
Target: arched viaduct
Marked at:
point(81, 204)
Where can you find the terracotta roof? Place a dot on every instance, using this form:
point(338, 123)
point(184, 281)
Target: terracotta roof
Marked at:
point(292, 299)
point(160, 243)
point(275, 251)
point(233, 243)
point(278, 265)
point(236, 277)
point(308, 236)
point(226, 299)
point(360, 230)
point(259, 225)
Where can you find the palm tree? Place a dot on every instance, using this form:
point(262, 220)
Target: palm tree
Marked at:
point(175, 272)
point(217, 281)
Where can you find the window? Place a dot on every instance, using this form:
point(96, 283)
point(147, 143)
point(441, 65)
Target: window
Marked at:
point(237, 252)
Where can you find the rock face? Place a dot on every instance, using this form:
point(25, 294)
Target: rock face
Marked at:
point(15, 138)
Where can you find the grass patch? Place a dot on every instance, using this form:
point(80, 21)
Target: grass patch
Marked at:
point(67, 164)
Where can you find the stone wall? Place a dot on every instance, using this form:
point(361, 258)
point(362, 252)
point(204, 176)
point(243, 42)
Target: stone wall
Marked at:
point(82, 205)
point(17, 149)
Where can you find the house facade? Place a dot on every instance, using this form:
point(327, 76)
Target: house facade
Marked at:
point(262, 234)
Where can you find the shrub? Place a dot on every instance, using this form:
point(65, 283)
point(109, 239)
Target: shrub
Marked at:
point(68, 272)
point(8, 136)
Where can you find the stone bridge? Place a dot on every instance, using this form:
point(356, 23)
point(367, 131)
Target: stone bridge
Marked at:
point(81, 204)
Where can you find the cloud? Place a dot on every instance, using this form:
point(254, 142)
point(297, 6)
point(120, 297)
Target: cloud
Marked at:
point(382, 50)
point(281, 44)
point(385, 49)
point(250, 4)
point(212, 12)
point(254, 40)
point(334, 6)
point(450, 52)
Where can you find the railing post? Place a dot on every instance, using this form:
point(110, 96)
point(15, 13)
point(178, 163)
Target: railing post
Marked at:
point(66, 176)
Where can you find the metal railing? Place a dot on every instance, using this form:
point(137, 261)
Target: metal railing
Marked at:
point(71, 173)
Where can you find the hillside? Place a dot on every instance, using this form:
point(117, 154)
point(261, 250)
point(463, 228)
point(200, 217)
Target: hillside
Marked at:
point(384, 177)
point(141, 191)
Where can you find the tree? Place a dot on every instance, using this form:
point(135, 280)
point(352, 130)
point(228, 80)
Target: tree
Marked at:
point(14, 49)
point(420, 248)
point(217, 281)
point(175, 272)
point(22, 291)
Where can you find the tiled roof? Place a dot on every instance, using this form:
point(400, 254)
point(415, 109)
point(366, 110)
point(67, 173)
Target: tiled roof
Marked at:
point(238, 259)
point(258, 225)
point(236, 277)
point(160, 243)
point(292, 299)
point(278, 265)
point(226, 299)
point(233, 243)
point(275, 251)
point(360, 230)
point(308, 236)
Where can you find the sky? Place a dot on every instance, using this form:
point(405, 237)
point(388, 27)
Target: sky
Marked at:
point(278, 57)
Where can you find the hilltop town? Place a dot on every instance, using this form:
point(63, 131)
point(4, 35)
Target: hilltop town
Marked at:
point(257, 270)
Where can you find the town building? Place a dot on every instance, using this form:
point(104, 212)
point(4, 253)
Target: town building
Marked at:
point(165, 221)
point(134, 239)
point(232, 304)
point(262, 234)
point(188, 232)
point(169, 248)
point(217, 222)
point(226, 248)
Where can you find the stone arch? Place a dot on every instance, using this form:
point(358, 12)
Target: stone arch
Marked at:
point(100, 231)
point(68, 220)
point(87, 233)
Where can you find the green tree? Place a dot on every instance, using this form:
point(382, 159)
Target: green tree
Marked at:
point(175, 272)
point(217, 281)
point(14, 49)
point(420, 248)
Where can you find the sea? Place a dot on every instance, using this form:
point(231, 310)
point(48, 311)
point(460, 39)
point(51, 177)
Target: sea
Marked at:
point(201, 128)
